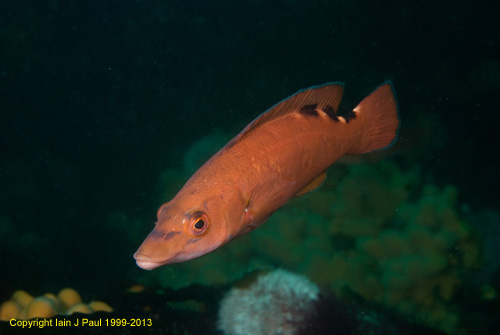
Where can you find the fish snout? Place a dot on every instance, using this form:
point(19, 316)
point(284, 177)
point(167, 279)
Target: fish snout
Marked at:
point(150, 254)
point(144, 261)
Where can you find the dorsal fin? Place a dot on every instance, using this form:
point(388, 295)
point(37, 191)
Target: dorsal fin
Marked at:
point(324, 97)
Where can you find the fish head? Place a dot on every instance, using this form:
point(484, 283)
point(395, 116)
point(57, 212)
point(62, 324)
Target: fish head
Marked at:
point(183, 232)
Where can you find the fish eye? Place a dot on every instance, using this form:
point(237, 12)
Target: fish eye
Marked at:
point(198, 224)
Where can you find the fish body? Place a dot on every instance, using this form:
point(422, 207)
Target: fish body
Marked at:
point(281, 154)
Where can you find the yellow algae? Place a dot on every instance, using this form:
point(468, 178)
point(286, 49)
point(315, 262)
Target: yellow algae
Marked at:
point(9, 310)
point(40, 307)
point(137, 288)
point(47, 305)
point(79, 308)
point(99, 306)
point(69, 297)
point(58, 306)
point(23, 298)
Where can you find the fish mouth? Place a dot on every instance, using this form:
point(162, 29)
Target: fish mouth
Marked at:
point(147, 265)
point(145, 262)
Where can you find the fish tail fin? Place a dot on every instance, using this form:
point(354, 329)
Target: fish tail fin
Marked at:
point(379, 112)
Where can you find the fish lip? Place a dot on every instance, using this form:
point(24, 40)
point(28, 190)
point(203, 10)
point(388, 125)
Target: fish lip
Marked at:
point(148, 265)
point(143, 261)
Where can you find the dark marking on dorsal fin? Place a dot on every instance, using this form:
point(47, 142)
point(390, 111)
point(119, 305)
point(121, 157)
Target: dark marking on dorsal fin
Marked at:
point(330, 111)
point(309, 110)
point(322, 96)
point(348, 115)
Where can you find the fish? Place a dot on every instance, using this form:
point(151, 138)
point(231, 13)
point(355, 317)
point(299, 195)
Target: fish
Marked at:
point(283, 153)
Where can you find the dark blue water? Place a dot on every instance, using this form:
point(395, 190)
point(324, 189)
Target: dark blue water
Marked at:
point(98, 99)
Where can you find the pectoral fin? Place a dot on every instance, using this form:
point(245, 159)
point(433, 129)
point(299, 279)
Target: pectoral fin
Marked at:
point(313, 185)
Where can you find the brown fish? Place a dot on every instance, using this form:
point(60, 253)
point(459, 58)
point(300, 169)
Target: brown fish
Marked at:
point(281, 154)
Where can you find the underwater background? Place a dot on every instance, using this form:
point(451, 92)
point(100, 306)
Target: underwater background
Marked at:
point(108, 107)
